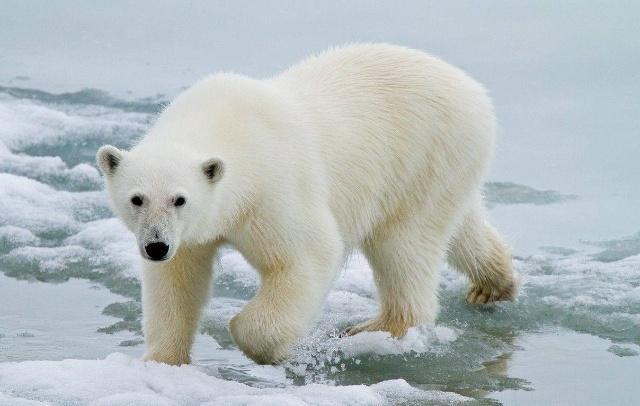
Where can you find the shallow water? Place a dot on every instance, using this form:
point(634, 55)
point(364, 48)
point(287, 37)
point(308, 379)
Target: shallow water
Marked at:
point(69, 271)
point(56, 321)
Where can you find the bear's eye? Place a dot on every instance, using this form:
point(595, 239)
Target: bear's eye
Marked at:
point(136, 201)
point(180, 201)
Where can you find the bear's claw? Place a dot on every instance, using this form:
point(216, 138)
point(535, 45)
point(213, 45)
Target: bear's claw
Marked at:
point(397, 329)
point(489, 294)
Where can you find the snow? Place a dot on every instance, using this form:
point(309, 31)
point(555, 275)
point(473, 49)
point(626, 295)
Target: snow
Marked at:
point(121, 380)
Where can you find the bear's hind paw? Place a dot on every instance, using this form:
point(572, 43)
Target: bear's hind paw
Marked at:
point(397, 328)
point(489, 294)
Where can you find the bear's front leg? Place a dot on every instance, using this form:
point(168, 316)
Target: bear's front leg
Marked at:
point(283, 308)
point(173, 294)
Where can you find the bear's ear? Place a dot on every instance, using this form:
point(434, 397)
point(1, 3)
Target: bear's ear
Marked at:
point(213, 169)
point(108, 159)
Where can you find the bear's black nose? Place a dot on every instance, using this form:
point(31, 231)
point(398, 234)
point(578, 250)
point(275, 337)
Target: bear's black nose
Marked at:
point(157, 250)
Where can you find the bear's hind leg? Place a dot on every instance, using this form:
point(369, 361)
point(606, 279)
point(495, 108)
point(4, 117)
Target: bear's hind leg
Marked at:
point(478, 251)
point(405, 257)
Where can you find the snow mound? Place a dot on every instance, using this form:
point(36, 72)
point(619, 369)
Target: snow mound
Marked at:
point(122, 380)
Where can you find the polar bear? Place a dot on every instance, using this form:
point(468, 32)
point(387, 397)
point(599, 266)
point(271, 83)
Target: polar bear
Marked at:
point(373, 147)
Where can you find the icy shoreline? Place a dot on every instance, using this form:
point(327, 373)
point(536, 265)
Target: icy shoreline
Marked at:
point(122, 380)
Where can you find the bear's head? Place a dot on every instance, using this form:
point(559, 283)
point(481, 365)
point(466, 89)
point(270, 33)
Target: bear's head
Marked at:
point(162, 195)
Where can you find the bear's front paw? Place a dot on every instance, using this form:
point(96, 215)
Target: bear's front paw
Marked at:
point(261, 338)
point(167, 358)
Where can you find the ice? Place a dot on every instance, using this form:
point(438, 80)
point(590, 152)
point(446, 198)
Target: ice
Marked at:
point(41, 209)
point(112, 245)
point(513, 193)
point(12, 401)
point(356, 277)
point(234, 276)
point(418, 340)
point(55, 143)
point(28, 123)
point(101, 250)
point(617, 249)
point(121, 380)
point(52, 170)
point(624, 351)
point(11, 236)
point(558, 250)
point(85, 97)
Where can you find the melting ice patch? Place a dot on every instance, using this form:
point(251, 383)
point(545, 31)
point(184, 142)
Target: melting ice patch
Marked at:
point(623, 351)
point(514, 193)
point(27, 124)
point(55, 143)
point(86, 97)
point(12, 236)
point(43, 210)
point(616, 249)
point(49, 169)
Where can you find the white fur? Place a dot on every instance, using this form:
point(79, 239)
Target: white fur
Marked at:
point(376, 147)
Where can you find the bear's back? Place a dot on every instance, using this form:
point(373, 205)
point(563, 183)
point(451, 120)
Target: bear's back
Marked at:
point(389, 120)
